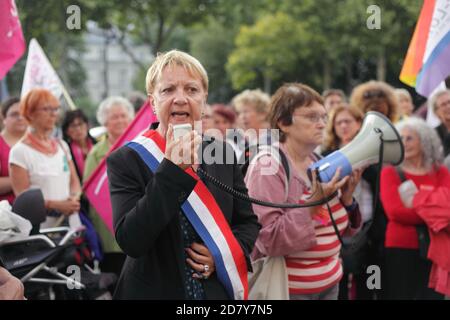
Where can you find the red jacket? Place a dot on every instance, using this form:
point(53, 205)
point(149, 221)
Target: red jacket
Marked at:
point(434, 207)
point(401, 231)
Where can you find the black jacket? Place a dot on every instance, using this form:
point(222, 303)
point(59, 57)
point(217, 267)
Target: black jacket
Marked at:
point(444, 134)
point(146, 222)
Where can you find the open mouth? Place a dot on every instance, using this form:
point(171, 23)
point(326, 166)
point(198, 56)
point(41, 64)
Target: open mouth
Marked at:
point(179, 115)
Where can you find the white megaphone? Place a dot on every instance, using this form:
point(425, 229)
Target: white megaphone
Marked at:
point(376, 132)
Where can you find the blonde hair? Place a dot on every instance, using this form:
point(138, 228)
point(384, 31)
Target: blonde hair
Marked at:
point(400, 92)
point(170, 59)
point(256, 98)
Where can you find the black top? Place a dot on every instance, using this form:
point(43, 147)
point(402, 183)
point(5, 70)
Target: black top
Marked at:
point(445, 138)
point(147, 223)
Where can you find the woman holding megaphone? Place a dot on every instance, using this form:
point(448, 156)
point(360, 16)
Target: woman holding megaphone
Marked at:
point(306, 237)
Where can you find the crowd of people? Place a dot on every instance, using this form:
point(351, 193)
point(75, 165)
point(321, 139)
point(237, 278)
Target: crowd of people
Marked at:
point(163, 246)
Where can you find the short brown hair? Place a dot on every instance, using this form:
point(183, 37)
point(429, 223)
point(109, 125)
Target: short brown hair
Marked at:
point(34, 99)
point(286, 100)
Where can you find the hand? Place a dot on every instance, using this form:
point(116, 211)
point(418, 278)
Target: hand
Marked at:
point(324, 190)
point(66, 207)
point(75, 195)
point(199, 257)
point(184, 151)
point(349, 187)
point(11, 288)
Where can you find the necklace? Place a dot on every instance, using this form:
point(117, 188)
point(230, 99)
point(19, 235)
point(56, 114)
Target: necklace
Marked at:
point(49, 148)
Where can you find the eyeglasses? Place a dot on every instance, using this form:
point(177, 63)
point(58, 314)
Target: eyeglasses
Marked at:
point(344, 121)
point(314, 117)
point(13, 115)
point(49, 109)
point(371, 94)
point(75, 125)
point(443, 105)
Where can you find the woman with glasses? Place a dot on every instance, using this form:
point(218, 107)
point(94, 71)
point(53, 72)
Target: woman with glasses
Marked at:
point(42, 161)
point(304, 236)
point(13, 130)
point(75, 129)
point(407, 271)
point(440, 102)
point(343, 126)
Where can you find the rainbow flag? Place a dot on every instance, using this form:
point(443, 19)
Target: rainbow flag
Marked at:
point(427, 61)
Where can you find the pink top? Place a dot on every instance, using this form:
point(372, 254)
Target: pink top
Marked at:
point(4, 168)
point(78, 155)
point(311, 247)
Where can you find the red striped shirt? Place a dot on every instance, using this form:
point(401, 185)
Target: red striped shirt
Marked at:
point(319, 268)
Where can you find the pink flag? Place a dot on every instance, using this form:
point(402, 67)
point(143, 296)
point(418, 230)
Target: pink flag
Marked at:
point(12, 43)
point(97, 188)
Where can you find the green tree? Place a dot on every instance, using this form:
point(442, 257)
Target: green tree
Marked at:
point(343, 51)
point(212, 41)
point(211, 44)
point(267, 51)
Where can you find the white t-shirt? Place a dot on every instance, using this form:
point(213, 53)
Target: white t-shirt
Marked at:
point(49, 173)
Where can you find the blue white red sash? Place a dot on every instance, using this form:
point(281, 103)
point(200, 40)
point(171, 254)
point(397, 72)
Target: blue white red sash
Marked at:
point(206, 217)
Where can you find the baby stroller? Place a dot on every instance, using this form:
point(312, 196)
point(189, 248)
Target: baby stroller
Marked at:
point(53, 263)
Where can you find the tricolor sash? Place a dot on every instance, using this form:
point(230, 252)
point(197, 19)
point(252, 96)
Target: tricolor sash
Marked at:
point(205, 215)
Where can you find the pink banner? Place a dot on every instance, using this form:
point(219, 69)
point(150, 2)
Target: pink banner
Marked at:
point(96, 188)
point(12, 43)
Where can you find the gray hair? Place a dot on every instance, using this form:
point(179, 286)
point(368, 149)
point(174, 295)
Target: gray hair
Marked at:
point(434, 97)
point(106, 105)
point(430, 142)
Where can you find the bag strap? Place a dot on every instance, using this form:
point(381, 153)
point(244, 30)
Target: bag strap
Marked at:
point(285, 163)
point(400, 173)
point(269, 150)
